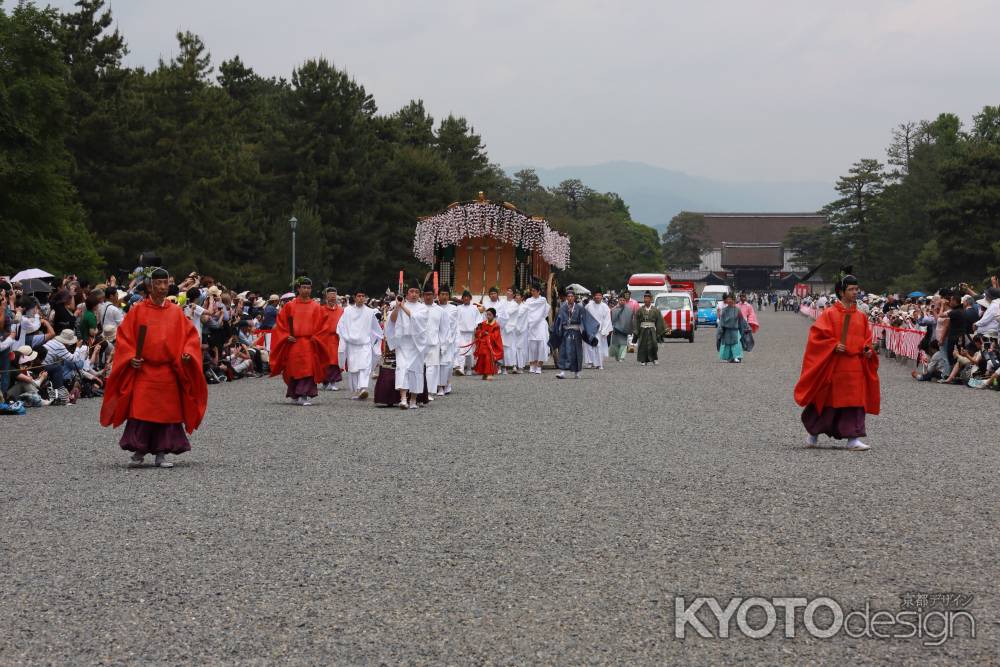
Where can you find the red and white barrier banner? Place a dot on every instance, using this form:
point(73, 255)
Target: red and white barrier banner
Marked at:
point(678, 320)
point(901, 342)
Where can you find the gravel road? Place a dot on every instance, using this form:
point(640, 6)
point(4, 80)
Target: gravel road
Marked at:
point(527, 520)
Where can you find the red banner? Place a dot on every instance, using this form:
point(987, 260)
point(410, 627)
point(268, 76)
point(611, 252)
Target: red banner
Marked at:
point(901, 342)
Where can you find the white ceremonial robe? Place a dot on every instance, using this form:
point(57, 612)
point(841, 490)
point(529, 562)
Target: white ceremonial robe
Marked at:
point(468, 318)
point(511, 337)
point(449, 341)
point(521, 331)
point(536, 312)
point(358, 330)
point(436, 325)
point(501, 307)
point(595, 355)
point(407, 337)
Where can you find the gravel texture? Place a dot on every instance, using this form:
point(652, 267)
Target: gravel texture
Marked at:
point(527, 520)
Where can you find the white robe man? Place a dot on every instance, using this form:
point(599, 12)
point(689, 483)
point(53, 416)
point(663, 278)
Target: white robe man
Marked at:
point(437, 324)
point(501, 308)
point(406, 336)
point(468, 315)
point(536, 313)
point(596, 354)
point(358, 330)
point(448, 343)
point(511, 337)
point(521, 331)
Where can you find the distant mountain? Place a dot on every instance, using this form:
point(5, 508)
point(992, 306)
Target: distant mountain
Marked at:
point(655, 195)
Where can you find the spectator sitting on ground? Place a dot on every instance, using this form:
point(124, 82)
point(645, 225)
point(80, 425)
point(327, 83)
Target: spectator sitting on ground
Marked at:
point(969, 362)
point(62, 360)
point(28, 380)
point(938, 367)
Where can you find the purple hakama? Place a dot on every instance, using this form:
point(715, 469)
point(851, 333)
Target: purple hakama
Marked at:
point(299, 387)
point(145, 437)
point(333, 374)
point(841, 423)
point(386, 393)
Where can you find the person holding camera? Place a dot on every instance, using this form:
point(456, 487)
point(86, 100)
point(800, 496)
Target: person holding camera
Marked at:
point(988, 325)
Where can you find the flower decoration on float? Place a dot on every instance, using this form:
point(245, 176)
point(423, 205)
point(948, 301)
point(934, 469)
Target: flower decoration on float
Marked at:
point(501, 221)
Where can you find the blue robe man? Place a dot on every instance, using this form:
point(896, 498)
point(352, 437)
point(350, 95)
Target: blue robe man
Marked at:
point(573, 327)
point(730, 333)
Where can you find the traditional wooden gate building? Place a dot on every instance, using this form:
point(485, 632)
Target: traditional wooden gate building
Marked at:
point(481, 244)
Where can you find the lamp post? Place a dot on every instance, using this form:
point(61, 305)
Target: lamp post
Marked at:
point(294, 223)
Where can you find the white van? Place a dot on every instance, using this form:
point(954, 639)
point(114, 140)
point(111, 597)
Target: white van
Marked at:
point(715, 292)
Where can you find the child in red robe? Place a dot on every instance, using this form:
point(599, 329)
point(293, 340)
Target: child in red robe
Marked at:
point(298, 352)
point(839, 381)
point(156, 386)
point(488, 346)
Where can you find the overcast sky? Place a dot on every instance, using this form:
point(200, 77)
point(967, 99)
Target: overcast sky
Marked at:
point(761, 90)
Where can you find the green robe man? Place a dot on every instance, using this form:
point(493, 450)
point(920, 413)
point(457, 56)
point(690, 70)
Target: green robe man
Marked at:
point(649, 329)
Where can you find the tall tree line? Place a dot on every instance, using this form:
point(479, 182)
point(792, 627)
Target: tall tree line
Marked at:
point(206, 164)
point(927, 218)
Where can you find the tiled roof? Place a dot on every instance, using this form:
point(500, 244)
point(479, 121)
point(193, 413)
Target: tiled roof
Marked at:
point(745, 255)
point(755, 227)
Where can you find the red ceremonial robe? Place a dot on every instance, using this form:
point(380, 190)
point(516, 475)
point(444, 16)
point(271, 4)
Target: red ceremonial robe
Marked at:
point(307, 356)
point(165, 389)
point(331, 341)
point(488, 348)
point(839, 379)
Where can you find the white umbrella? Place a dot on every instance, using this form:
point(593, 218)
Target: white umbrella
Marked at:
point(578, 289)
point(28, 274)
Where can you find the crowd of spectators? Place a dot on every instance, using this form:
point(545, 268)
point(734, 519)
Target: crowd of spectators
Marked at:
point(57, 337)
point(958, 330)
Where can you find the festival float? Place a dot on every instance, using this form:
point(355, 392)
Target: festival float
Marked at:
point(481, 244)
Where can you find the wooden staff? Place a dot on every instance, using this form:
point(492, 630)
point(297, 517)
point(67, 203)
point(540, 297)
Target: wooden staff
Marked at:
point(468, 270)
point(499, 250)
point(846, 327)
point(140, 341)
point(486, 250)
point(550, 296)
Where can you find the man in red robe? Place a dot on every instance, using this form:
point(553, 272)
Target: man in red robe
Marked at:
point(331, 341)
point(488, 346)
point(297, 345)
point(156, 385)
point(839, 381)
